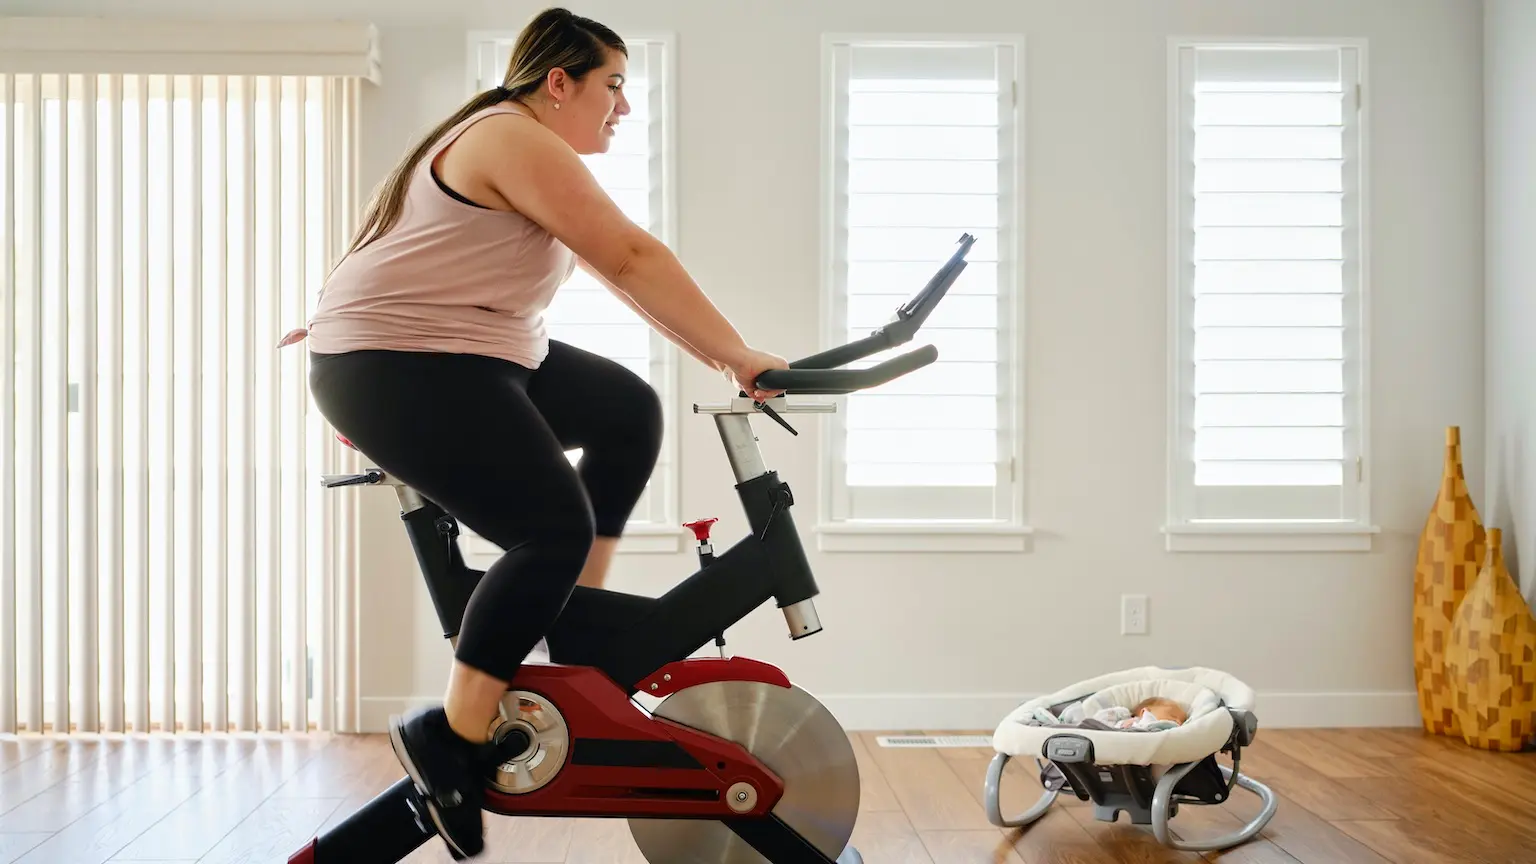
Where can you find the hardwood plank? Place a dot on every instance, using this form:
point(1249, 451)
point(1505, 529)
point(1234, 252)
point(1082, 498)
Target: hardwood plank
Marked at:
point(16, 749)
point(1126, 842)
point(1301, 834)
point(1057, 838)
point(931, 795)
point(1256, 851)
point(1305, 787)
point(1503, 800)
point(271, 832)
point(1203, 822)
point(1403, 843)
point(1325, 754)
point(376, 769)
point(887, 837)
point(46, 769)
point(101, 833)
point(342, 765)
point(13, 846)
point(874, 792)
point(1435, 819)
point(1385, 744)
point(1515, 770)
point(197, 825)
point(1020, 787)
point(93, 785)
point(969, 847)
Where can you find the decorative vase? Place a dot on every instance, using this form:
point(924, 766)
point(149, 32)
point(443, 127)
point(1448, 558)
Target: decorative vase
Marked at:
point(1451, 549)
point(1492, 658)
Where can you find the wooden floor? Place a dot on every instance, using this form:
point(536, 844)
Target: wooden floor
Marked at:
point(1346, 796)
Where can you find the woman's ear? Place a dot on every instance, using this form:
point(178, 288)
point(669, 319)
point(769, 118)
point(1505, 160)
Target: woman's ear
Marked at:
point(557, 85)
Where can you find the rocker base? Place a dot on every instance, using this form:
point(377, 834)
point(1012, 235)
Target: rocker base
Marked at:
point(1162, 808)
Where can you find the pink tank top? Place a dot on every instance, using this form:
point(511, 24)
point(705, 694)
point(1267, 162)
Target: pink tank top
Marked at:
point(448, 277)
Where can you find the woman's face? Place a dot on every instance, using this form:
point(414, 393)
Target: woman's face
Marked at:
point(589, 109)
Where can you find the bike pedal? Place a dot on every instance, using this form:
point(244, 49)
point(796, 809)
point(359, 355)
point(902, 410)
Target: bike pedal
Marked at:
point(418, 807)
point(417, 803)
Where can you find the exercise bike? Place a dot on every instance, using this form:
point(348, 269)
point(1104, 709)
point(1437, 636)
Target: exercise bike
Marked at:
point(736, 764)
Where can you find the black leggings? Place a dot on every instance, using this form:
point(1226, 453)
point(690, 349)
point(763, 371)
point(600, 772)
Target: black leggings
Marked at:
point(485, 439)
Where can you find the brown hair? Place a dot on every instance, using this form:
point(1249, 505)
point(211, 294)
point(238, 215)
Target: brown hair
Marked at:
point(554, 39)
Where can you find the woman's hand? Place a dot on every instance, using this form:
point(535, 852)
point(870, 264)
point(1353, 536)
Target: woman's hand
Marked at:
point(743, 372)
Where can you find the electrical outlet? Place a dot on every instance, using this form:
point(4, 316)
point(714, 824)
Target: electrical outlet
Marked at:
point(1133, 614)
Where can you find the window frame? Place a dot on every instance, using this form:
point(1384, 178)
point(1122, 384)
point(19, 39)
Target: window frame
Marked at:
point(662, 533)
point(1182, 532)
point(835, 530)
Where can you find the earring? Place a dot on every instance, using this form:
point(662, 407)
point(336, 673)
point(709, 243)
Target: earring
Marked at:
point(557, 106)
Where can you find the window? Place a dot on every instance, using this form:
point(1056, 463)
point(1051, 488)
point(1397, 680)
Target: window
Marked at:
point(1268, 369)
point(922, 147)
point(637, 172)
point(167, 559)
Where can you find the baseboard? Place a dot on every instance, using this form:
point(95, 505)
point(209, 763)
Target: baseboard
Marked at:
point(982, 711)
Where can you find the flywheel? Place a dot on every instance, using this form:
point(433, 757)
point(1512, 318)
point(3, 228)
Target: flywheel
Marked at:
point(796, 737)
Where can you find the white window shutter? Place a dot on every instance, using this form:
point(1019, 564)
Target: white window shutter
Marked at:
point(923, 140)
point(1268, 368)
point(637, 172)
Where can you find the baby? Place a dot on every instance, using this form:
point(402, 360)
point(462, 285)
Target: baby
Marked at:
point(1161, 709)
point(1155, 714)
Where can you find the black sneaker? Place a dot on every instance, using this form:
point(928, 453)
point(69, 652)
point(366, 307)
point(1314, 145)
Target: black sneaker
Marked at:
point(443, 766)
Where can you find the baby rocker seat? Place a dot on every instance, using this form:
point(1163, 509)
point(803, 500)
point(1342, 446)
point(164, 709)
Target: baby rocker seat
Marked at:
point(1146, 770)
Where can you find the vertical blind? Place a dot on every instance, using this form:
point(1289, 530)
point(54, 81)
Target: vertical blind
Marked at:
point(1269, 280)
point(636, 172)
point(167, 561)
point(923, 150)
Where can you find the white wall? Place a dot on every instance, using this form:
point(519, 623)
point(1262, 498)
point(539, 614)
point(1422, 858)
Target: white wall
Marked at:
point(1510, 105)
point(921, 640)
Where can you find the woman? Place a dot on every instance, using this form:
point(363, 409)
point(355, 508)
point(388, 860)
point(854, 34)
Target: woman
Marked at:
point(429, 354)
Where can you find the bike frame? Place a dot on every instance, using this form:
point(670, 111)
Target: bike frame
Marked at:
point(607, 646)
point(610, 646)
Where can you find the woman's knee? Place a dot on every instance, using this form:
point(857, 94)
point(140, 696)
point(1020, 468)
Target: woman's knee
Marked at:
point(635, 438)
point(648, 423)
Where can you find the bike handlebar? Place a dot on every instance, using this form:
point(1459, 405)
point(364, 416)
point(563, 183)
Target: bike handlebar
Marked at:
point(819, 373)
point(838, 381)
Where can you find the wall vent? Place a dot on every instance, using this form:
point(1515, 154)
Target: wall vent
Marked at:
point(934, 740)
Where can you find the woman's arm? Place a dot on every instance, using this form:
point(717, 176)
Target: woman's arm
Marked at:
point(660, 327)
point(543, 178)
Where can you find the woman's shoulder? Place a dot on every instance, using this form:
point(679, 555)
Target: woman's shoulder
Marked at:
point(498, 119)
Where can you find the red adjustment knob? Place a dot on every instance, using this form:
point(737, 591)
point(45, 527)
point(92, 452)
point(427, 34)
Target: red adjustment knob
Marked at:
point(701, 528)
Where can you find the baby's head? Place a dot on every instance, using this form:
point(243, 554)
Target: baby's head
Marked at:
point(1162, 709)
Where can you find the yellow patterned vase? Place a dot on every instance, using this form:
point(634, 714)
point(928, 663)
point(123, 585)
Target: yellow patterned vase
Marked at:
point(1451, 549)
point(1492, 659)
